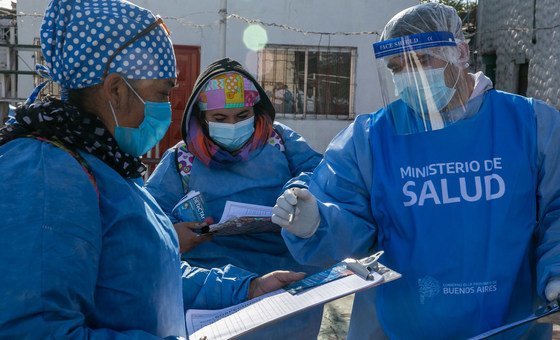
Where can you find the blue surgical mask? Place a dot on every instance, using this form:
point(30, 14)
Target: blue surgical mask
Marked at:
point(232, 136)
point(138, 141)
point(417, 91)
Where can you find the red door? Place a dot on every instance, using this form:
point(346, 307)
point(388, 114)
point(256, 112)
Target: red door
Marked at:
point(188, 68)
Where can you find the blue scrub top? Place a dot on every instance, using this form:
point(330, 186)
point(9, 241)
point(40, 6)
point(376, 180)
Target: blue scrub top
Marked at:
point(81, 265)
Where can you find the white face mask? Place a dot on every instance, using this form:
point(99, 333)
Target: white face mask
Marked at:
point(232, 136)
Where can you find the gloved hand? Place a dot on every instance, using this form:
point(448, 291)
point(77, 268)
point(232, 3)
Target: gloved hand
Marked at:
point(551, 292)
point(552, 289)
point(302, 205)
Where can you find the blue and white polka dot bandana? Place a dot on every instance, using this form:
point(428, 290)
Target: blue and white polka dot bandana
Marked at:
point(79, 38)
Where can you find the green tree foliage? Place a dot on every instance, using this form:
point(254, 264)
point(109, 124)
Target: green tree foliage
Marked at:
point(465, 8)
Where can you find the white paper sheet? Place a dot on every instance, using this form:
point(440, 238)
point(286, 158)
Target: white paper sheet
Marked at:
point(239, 319)
point(238, 209)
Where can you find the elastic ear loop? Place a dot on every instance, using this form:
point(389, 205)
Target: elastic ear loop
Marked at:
point(137, 95)
point(113, 112)
point(133, 90)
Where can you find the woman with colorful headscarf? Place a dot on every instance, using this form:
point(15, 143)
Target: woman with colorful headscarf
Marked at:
point(85, 251)
point(233, 150)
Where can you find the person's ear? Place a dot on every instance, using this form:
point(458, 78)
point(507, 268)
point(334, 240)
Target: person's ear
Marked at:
point(115, 91)
point(464, 54)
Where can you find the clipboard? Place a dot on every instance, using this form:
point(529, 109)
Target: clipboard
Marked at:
point(250, 315)
point(364, 268)
point(547, 310)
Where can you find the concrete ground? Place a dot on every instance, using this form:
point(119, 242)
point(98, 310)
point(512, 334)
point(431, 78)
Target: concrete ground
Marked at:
point(336, 316)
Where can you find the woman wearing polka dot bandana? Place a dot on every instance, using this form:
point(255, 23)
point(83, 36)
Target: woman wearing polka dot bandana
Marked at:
point(232, 149)
point(85, 250)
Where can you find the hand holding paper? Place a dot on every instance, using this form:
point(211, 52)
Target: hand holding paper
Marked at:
point(302, 206)
point(188, 238)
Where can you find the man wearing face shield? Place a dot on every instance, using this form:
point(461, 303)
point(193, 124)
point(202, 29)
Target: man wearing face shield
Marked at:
point(86, 252)
point(455, 181)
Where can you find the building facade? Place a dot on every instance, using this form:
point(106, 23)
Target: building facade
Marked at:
point(8, 61)
point(518, 46)
point(313, 57)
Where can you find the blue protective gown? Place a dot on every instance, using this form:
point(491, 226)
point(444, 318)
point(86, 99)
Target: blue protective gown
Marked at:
point(467, 214)
point(259, 180)
point(78, 265)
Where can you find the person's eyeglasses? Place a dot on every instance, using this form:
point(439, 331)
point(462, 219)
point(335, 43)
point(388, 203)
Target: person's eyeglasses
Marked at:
point(145, 31)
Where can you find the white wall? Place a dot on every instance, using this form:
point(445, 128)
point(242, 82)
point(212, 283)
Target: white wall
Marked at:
point(6, 4)
point(505, 28)
point(317, 132)
point(308, 15)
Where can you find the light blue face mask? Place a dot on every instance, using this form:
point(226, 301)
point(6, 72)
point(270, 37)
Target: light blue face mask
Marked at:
point(413, 89)
point(232, 136)
point(138, 141)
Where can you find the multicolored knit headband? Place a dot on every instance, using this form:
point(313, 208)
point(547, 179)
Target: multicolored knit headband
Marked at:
point(226, 91)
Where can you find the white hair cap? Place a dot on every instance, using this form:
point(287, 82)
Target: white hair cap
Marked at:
point(431, 17)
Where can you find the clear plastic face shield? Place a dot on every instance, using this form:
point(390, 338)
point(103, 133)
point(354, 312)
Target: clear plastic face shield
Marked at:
point(421, 82)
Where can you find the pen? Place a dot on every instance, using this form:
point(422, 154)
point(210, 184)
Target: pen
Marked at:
point(291, 216)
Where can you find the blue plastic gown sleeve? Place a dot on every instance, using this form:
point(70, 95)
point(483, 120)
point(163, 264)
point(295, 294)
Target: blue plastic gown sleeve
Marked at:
point(215, 288)
point(302, 159)
point(548, 194)
point(342, 185)
point(49, 267)
point(165, 184)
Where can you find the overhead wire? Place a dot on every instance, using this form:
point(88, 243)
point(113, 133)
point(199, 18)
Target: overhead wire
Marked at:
point(183, 21)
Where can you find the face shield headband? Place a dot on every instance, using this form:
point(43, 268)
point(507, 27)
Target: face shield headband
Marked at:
point(412, 42)
point(418, 80)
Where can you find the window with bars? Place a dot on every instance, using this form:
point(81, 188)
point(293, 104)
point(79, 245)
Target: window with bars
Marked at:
point(4, 34)
point(309, 82)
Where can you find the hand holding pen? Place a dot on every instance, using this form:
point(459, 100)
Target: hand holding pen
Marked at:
point(296, 210)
